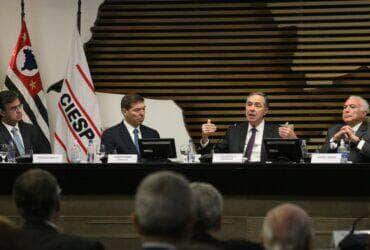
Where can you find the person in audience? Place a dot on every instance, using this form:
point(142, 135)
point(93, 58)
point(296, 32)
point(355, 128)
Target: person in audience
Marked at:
point(36, 195)
point(247, 137)
point(208, 206)
point(163, 214)
point(8, 234)
point(24, 136)
point(287, 227)
point(123, 137)
point(354, 130)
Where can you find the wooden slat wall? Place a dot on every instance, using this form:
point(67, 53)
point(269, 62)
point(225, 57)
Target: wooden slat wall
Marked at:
point(207, 55)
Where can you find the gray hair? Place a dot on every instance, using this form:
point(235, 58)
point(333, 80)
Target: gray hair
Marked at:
point(287, 227)
point(364, 103)
point(163, 205)
point(208, 205)
point(265, 97)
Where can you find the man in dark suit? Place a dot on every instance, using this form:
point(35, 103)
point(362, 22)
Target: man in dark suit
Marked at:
point(123, 137)
point(355, 131)
point(22, 135)
point(37, 197)
point(247, 137)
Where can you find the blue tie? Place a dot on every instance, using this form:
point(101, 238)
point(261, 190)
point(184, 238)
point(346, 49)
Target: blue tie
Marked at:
point(136, 140)
point(17, 140)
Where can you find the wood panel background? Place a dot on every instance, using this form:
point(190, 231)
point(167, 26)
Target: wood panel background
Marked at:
point(207, 55)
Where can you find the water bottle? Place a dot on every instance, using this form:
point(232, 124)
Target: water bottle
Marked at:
point(191, 154)
point(90, 152)
point(75, 154)
point(344, 151)
point(304, 151)
point(11, 152)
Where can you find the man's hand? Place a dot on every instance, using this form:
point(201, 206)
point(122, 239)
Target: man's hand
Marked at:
point(349, 134)
point(287, 132)
point(207, 130)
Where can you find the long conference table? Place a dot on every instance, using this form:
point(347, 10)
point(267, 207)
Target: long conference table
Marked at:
point(351, 180)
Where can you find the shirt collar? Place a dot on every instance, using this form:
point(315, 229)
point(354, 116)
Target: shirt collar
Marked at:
point(259, 127)
point(10, 127)
point(157, 244)
point(129, 127)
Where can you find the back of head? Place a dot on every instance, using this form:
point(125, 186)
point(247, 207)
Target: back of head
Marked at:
point(163, 205)
point(208, 205)
point(36, 195)
point(287, 226)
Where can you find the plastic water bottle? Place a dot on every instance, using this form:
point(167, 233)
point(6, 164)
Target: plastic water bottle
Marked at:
point(191, 154)
point(304, 151)
point(90, 152)
point(344, 151)
point(11, 152)
point(75, 155)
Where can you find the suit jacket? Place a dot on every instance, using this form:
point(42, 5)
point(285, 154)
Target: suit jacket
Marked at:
point(41, 236)
point(118, 138)
point(31, 137)
point(355, 155)
point(234, 139)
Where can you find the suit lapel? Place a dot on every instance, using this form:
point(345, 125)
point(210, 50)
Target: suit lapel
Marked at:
point(125, 135)
point(243, 136)
point(4, 133)
point(362, 130)
point(25, 137)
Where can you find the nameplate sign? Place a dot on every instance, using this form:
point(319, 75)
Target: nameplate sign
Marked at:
point(122, 158)
point(47, 158)
point(227, 158)
point(326, 158)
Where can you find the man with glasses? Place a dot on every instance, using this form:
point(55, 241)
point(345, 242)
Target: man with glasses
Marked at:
point(247, 137)
point(354, 130)
point(22, 135)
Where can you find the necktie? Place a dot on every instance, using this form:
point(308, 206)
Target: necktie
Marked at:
point(136, 140)
point(17, 140)
point(250, 144)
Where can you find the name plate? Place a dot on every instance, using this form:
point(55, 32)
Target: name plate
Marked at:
point(122, 158)
point(227, 158)
point(47, 158)
point(326, 158)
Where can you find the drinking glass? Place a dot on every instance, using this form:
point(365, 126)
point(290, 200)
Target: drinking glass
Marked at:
point(3, 152)
point(184, 150)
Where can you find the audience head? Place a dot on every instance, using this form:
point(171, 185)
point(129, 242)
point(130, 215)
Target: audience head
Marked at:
point(287, 226)
point(133, 109)
point(163, 206)
point(208, 206)
point(8, 234)
point(36, 195)
point(355, 110)
point(256, 108)
point(10, 107)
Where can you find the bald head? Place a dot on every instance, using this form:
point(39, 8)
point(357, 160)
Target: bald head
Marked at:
point(287, 226)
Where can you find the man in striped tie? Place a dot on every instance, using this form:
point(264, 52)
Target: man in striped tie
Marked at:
point(24, 136)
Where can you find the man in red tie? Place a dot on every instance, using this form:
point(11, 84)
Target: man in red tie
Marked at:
point(247, 137)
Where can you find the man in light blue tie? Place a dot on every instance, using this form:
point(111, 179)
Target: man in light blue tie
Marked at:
point(123, 138)
point(24, 136)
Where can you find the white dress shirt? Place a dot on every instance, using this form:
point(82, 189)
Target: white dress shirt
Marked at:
point(257, 146)
point(334, 145)
point(10, 127)
point(131, 129)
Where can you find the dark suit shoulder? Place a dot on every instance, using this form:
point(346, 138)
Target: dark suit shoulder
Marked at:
point(149, 131)
point(66, 241)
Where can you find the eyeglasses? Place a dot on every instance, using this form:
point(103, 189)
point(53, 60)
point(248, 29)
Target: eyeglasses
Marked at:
point(16, 108)
point(352, 106)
